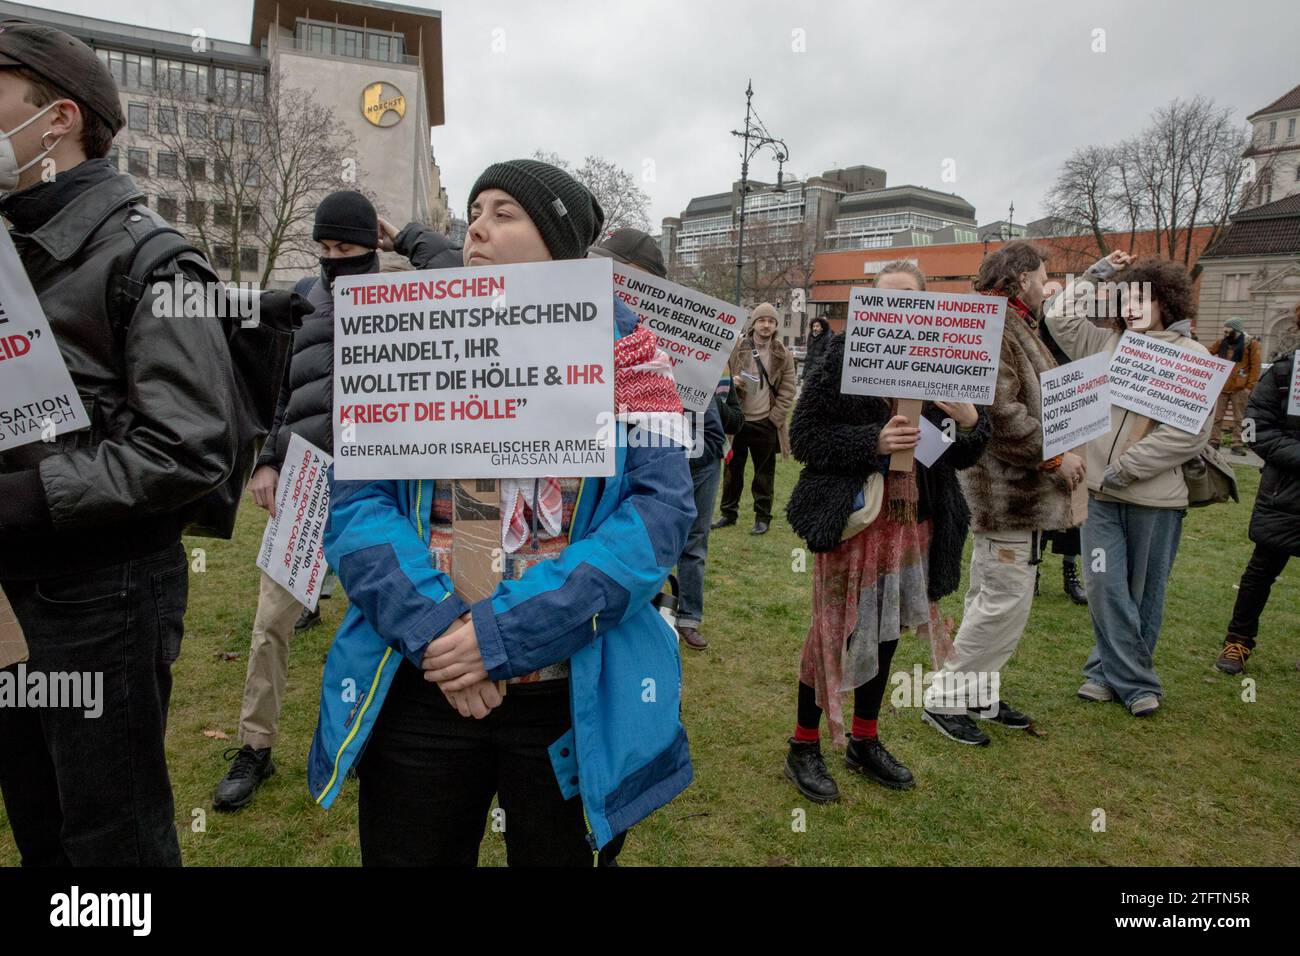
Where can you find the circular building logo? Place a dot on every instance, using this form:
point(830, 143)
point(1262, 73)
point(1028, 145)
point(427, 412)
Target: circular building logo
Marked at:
point(383, 104)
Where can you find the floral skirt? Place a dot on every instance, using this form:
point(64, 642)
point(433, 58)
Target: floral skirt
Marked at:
point(867, 591)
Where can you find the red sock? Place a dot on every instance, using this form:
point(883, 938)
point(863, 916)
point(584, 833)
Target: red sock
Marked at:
point(804, 735)
point(863, 729)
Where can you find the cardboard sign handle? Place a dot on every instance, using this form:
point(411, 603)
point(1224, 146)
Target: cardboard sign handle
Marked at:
point(910, 408)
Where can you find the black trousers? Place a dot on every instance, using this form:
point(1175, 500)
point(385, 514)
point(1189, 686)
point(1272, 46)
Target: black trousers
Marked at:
point(86, 790)
point(1257, 580)
point(428, 777)
point(763, 441)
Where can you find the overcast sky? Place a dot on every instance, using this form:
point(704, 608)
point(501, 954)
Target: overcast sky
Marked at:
point(1005, 88)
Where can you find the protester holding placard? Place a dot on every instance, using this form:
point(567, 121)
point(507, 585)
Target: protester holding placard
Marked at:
point(587, 739)
point(1275, 520)
point(763, 371)
point(1137, 495)
point(90, 522)
point(1243, 351)
point(871, 586)
point(349, 233)
point(1014, 497)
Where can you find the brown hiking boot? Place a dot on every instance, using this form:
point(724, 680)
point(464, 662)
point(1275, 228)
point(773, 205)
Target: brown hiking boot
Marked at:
point(1232, 660)
point(693, 638)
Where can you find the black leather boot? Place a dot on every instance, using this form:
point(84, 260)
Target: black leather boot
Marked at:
point(807, 770)
point(869, 757)
point(1073, 584)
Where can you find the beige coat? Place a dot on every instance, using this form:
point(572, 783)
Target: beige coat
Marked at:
point(782, 374)
point(1155, 462)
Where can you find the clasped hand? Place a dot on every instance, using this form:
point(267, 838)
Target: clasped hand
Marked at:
point(454, 663)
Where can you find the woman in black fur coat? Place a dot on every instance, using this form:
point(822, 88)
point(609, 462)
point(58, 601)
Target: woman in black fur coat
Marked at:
point(886, 578)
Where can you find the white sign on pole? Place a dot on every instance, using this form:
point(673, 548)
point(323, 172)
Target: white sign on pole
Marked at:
point(1076, 404)
point(1164, 382)
point(483, 372)
point(922, 345)
point(696, 330)
point(291, 552)
point(38, 400)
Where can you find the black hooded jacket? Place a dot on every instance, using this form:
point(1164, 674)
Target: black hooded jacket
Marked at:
point(307, 395)
point(1275, 521)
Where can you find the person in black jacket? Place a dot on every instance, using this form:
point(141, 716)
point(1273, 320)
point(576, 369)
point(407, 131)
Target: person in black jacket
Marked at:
point(1275, 521)
point(869, 587)
point(90, 522)
point(350, 234)
point(819, 336)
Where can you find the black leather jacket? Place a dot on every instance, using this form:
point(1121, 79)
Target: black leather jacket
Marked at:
point(160, 397)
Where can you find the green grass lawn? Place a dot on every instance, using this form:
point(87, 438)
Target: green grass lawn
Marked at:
point(1210, 780)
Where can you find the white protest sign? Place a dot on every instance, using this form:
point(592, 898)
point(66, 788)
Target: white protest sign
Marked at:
point(291, 552)
point(37, 398)
point(1293, 403)
point(1076, 404)
point(933, 443)
point(1164, 382)
point(484, 372)
point(922, 345)
point(696, 330)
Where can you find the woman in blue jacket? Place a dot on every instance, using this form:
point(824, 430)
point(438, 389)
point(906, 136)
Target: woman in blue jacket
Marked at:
point(588, 739)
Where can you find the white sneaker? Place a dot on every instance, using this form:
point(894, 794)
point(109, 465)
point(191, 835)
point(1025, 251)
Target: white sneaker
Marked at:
point(1093, 691)
point(1144, 706)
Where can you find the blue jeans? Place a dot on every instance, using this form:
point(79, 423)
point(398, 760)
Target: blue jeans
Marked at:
point(92, 789)
point(1127, 600)
point(690, 566)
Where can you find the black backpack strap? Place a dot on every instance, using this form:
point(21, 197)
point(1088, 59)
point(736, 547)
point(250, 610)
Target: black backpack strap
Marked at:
point(153, 250)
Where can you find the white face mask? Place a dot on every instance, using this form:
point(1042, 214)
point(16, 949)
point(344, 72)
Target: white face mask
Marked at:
point(10, 171)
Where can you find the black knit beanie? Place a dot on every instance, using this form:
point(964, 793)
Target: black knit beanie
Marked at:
point(347, 216)
point(564, 211)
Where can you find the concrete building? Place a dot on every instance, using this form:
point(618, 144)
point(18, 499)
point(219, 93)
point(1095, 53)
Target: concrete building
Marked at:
point(1275, 150)
point(376, 65)
point(1253, 271)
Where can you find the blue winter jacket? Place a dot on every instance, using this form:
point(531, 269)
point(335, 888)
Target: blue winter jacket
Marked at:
point(626, 753)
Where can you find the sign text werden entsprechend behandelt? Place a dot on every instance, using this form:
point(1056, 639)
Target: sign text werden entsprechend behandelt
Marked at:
point(483, 372)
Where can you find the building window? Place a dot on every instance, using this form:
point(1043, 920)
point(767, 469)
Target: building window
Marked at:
point(350, 43)
point(167, 208)
point(196, 212)
point(320, 39)
point(221, 257)
point(248, 217)
point(252, 131)
point(221, 214)
point(167, 119)
point(1297, 174)
point(137, 162)
point(248, 258)
point(117, 66)
point(1236, 288)
point(137, 117)
point(167, 73)
point(1290, 128)
point(167, 164)
point(197, 169)
point(196, 124)
point(139, 71)
point(112, 158)
point(1272, 131)
point(224, 127)
point(252, 173)
point(195, 78)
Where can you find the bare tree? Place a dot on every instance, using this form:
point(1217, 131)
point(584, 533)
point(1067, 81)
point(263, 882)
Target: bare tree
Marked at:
point(624, 202)
point(251, 169)
point(1182, 171)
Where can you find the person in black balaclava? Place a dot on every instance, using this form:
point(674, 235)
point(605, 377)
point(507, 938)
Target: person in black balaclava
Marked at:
point(350, 234)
